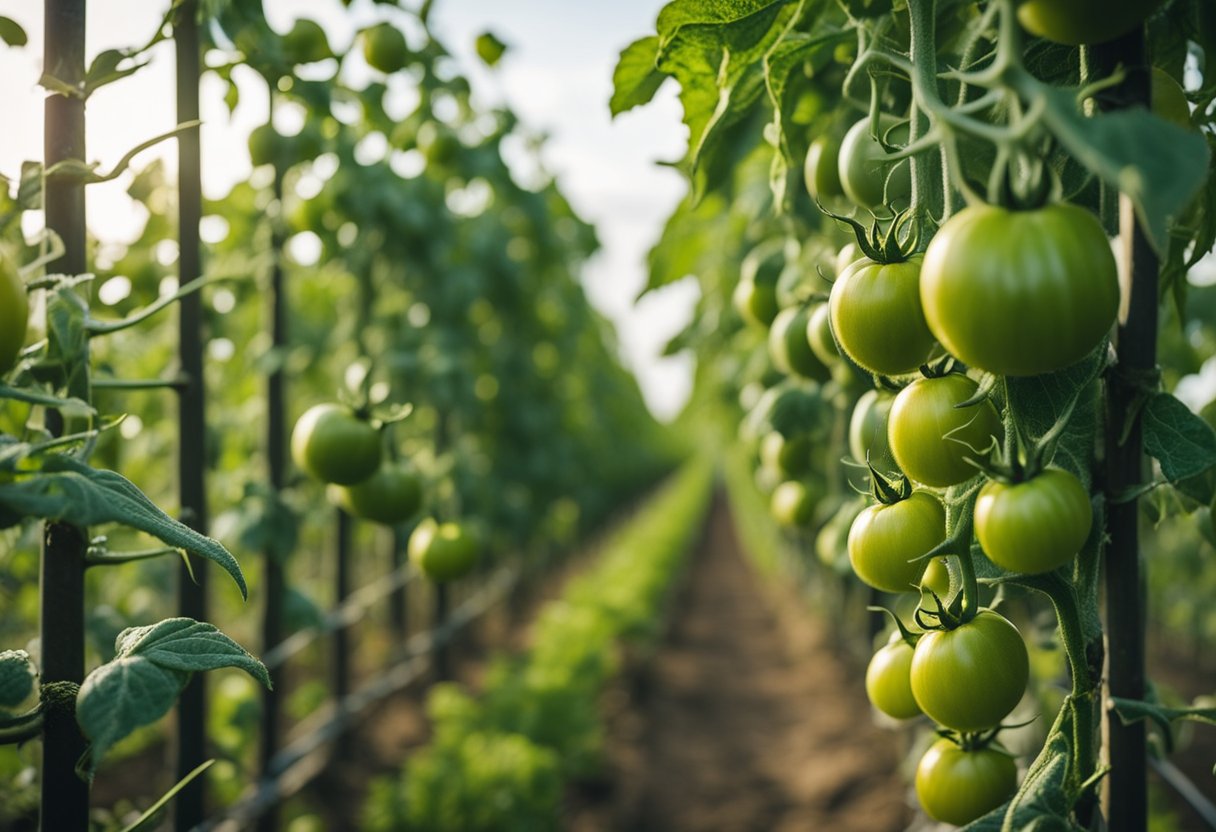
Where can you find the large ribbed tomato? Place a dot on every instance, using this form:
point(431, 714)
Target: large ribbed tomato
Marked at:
point(1020, 293)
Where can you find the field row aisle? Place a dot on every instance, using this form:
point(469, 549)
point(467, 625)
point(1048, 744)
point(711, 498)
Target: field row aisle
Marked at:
point(748, 720)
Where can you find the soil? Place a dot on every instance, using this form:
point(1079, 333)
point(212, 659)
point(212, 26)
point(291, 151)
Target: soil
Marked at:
point(744, 719)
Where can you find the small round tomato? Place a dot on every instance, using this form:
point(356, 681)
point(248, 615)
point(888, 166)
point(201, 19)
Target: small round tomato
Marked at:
point(819, 334)
point(384, 48)
point(391, 495)
point(756, 302)
point(790, 350)
point(791, 456)
point(442, 551)
point(888, 680)
point(937, 578)
point(1036, 525)
point(306, 43)
point(886, 541)
point(792, 504)
point(14, 314)
point(822, 172)
point(334, 445)
point(848, 255)
point(971, 677)
point(957, 786)
point(876, 316)
point(1020, 293)
point(868, 428)
point(1083, 21)
point(864, 171)
point(932, 438)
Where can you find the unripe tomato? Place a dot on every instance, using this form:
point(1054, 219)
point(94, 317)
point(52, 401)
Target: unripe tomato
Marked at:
point(877, 318)
point(889, 680)
point(791, 455)
point(1020, 293)
point(848, 255)
point(792, 504)
point(1036, 525)
point(442, 551)
point(863, 170)
point(819, 334)
point(1083, 21)
point(332, 444)
point(971, 677)
point(886, 541)
point(957, 786)
point(822, 171)
point(265, 145)
point(868, 427)
point(391, 495)
point(14, 314)
point(384, 48)
point(756, 302)
point(790, 350)
point(931, 438)
point(937, 578)
point(306, 42)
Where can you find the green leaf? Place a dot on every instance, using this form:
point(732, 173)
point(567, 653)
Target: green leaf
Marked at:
point(12, 33)
point(636, 78)
point(67, 489)
point(1134, 710)
point(489, 48)
point(1182, 443)
point(151, 667)
point(17, 675)
point(105, 69)
point(1160, 184)
point(1043, 794)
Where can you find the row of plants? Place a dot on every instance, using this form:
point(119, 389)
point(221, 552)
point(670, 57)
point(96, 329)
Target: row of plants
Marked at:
point(500, 759)
point(913, 325)
point(383, 280)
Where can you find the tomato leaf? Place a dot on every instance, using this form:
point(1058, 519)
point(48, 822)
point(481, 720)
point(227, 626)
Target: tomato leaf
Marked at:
point(12, 33)
point(489, 48)
point(1134, 710)
point(636, 78)
point(17, 676)
point(1182, 443)
point(67, 489)
point(151, 667)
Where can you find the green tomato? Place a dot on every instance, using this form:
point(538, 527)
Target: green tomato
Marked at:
point(756, 302)
point(937, 578)
point(790, 350)
point(306, 42)
point(442, 551)
point(1083, 21)
point(14, 314)
point(1036, 525)
point(822, 172)
point(1020, 293)
point(864, 172)
point(791, 456)
point(848, 255)
point(265, 145)
point(932, 438)
point(877, 318)
point(819, 334)
point(391, 495)
point(886, 541)
point(792, 504)
point(971, 677)
point(957, 786)
point(889, 680)
point(384, 48)
point(868, 428)
point(332, 444)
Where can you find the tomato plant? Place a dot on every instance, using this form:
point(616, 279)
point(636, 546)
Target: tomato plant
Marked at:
point(956, 785)
point(1020, 292)
point(334, 445)
point(969, 678)
point(932, 437)
point(877, 318)
point(889, 679)
point(1035, 525)
point(886, 542)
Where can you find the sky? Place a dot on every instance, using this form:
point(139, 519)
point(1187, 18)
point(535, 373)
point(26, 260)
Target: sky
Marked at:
point(556, 75)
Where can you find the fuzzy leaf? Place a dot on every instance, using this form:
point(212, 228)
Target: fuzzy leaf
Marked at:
point(1182, 442)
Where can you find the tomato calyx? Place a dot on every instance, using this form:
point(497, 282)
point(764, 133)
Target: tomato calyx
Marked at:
point(888, 490)
point(882, 245)
point(976, 740)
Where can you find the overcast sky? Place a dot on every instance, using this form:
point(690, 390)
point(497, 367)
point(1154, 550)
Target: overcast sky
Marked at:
point(557, 75)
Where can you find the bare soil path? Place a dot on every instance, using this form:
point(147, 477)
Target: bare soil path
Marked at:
point(747, 721)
